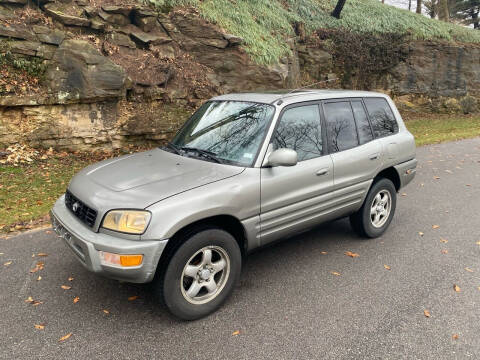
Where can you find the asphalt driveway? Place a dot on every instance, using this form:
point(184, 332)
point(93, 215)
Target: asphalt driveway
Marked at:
point(289, 304)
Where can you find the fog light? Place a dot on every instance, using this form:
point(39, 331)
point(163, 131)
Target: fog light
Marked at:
point(120, 260)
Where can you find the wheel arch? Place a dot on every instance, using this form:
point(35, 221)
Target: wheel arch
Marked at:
point(392, 174)
point(228, 223)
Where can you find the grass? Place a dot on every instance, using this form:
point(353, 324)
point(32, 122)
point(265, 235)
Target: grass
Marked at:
point(28, 192)
point(264, 24)
point(429, 129)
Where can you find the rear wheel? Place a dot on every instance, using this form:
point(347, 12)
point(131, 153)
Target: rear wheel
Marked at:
point(377, 211)
point(201, 274)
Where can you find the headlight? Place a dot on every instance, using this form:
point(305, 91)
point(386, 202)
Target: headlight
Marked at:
point(127, 221)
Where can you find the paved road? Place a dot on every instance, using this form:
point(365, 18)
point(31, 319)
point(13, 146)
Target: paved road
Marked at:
point(288, 304)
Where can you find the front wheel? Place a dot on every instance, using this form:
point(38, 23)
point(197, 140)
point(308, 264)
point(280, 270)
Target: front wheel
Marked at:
point(377, 211)
point(201, 274)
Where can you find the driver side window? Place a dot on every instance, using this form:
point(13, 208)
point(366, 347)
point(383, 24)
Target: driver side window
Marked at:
point(299, 129)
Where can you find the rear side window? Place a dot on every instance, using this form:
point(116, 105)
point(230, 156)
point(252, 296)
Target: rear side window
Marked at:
point(364, 130)
point(381, 116)
point(341, 129)
point(299, 129)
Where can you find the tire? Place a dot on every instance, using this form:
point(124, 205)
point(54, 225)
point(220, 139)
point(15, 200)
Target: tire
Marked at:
point(371, 223)
point(190, 269)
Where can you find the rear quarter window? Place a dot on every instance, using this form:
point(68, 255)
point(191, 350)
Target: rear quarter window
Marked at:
point(381, 117)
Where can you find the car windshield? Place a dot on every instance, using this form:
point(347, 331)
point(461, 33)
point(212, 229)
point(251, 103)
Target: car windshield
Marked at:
point(225, 131)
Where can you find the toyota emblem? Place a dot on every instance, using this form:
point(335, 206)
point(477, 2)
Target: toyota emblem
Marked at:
point(75, 206)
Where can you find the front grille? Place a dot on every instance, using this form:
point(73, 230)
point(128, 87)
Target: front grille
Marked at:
point(84, 213)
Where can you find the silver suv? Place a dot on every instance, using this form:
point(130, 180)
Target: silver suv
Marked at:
point(244, 170)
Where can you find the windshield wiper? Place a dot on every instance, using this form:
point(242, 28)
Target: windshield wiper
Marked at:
point(174, 148)
point(208, 154)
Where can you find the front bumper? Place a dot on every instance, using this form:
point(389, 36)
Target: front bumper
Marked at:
point(86, 245)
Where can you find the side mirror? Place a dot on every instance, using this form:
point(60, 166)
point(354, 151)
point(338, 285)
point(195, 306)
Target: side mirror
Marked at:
point(282, 157)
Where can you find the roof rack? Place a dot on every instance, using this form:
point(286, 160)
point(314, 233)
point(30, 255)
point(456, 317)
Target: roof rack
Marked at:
point(302, 89)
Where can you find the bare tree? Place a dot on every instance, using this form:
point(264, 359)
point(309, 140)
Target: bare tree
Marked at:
point(409, 5)
point(419, 6)
point(443, 10)
point(338, 9)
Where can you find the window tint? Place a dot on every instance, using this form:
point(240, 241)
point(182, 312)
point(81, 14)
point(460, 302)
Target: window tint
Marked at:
point(341, 130)
point(299, 129)
point(364, 130)
point(381, 117)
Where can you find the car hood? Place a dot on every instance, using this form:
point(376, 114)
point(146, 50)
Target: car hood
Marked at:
point(141, 179)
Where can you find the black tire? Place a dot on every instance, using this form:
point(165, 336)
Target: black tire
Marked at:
point(169, 284)
point(361, 221)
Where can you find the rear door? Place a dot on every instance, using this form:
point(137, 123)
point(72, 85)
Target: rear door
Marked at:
point(296, 198)
point(356, 155)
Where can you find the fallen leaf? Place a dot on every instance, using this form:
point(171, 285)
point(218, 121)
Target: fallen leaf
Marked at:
point(42, 254)
point(65, 337)
point(39, 278)
point(478, 243)
point(435, 226)
point(76, 299)
point(131, 298)
point(420, 233)
point(469, 270)
point(444, 251)
point(335, 273)
point(404, 194)
point(426, 313)
point(70, 278)
point(323, 253)
point(40, 326)
point(455, 337)
point(386, 267)
point(66, 287)
point(351, 254)
point(106, 311)
point(456, 288)
point(468, 185)
point(33, 302)
point(236, 332)
point(436, 177)
point(443, 240)
point(8, 263)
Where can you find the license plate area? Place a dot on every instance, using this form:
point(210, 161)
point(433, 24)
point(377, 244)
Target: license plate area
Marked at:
point(68, 238)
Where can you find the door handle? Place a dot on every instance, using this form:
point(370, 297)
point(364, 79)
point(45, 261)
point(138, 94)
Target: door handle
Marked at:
point(374, 156)
point(321, 172)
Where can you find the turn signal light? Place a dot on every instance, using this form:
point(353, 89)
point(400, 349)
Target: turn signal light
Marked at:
point(121, 260)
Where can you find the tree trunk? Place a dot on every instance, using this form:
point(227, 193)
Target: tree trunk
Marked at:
point(409, 5)
point(419, 6)
point(443, 10)
point(338, 9)
point(475, 19)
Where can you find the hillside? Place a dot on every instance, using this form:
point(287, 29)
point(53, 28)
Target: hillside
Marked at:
point(265, 24)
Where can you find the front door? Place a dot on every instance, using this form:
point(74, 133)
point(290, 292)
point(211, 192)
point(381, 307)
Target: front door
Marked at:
point(297, 197)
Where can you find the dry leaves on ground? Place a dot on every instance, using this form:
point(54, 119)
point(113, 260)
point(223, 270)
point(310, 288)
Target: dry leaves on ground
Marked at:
point(443, 240)
point(335, 273)
point(455, 336)
point(426, 313)
point(132, 298)
point(444, 251)
point(386, 267)
point(42, 254)
point(8, 263)
point(106, 311)
point(30, 300)
point(236, 332)
point(66, 287)
point(420, 233)
point(323, 252)
point(351, 254)
point(65, 337)
point(76, 299)
point(435, 226)
point(456, 288)
point(40, 265)
point(39, 326)
point(70, 278)
point(468, 269)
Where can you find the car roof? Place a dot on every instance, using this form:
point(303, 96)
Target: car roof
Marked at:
point(294, 96)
